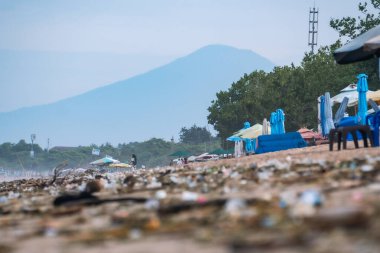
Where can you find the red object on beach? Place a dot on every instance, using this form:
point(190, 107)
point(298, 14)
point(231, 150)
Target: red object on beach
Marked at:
point(309, 135)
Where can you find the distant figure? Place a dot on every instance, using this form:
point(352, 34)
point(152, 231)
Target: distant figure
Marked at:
point(134, 160)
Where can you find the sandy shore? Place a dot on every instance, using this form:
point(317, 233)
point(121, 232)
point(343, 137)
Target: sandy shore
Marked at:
point(297, 200)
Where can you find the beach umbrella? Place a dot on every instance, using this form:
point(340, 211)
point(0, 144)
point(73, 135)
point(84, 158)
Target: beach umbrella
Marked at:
point(252, 132)
point(120, 165)
point(273, 123)
point(219, 151)
point(181, 153)
point(266, 127)
point(349, 92)
point(319, 114)
point(281, 121)
point(104, 161)
point(329, 124)
point(363, 47)
point(322, 113)
point(374, 95)
point(235, 137)
point(362, 90)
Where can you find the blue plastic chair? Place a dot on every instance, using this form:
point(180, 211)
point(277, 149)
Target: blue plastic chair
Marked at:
point(373, 120)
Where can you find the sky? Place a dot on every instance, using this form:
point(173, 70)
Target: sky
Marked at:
point(53, 49)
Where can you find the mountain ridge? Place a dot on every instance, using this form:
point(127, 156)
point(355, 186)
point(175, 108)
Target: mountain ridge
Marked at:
point(161, 96)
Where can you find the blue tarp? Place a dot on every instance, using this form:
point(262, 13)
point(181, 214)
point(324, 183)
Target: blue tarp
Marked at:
point(271, 143)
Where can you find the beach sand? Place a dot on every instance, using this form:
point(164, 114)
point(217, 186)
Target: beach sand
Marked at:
point(297, 200)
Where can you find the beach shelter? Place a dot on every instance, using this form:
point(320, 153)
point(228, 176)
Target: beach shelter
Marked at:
point(374, 95)
point(252, 132)
point(319, 114)
point(280, 121)
point(181, 153)
point(350, 92)
point(239, 147)
point(104, 161)
point(363, 47)
point(235, 137)
point(322, 113)
point(120, 165)
point(362, 90)
point(220, 151)
point(328, 118)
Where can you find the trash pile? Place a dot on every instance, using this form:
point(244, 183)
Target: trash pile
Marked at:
point(285, 202)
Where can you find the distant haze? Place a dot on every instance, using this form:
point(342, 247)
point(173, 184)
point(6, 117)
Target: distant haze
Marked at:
point(51, 49)
point(155, 104)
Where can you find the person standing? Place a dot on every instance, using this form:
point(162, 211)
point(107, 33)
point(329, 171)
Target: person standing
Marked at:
point(133, 160)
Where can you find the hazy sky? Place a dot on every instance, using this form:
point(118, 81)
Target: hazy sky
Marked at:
point(51, 49)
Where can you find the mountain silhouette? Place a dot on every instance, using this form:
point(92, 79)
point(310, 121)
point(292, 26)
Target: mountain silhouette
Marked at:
point(154, 104)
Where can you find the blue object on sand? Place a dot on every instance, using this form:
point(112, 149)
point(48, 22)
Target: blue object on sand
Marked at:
point(277, 142)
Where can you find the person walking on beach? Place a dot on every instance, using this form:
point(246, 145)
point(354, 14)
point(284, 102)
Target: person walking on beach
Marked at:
point(134, 161)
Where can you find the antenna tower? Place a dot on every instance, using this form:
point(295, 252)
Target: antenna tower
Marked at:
point(313, 28)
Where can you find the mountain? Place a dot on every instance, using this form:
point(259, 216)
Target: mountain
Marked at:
point(155, 104)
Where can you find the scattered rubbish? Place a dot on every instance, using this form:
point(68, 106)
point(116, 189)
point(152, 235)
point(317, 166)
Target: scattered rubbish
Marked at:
point(255, 204)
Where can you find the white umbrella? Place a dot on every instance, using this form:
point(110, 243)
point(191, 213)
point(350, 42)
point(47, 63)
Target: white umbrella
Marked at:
point(350, 92)
point(266, 127)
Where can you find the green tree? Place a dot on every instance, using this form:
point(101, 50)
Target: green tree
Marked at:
point(194, 135)
point(352, 27)
point(294, 89)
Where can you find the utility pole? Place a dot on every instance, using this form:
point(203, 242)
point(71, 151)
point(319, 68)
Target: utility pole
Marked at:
point(313, 28)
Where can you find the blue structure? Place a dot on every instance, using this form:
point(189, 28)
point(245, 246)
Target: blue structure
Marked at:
point(373, 121)
point(273, 123)
point(280, 121)
point(323, 118)
point(250, 145)
point(271, 143)
point(237, 138)
point(362, 88)
point(278, 140)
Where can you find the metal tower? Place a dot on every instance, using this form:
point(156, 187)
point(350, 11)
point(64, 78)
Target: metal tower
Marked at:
point(313, 28)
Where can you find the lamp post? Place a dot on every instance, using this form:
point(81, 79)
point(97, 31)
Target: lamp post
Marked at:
point(32, 137)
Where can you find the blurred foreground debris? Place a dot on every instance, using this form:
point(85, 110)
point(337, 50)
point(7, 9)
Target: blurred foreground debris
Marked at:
point(290, 201)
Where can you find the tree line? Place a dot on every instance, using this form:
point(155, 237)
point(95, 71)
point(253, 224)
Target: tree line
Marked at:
point(154, 152)
point(295, 89)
